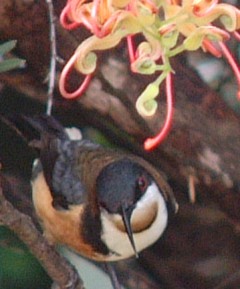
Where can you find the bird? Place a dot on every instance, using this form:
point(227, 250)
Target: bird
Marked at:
point(104, 204)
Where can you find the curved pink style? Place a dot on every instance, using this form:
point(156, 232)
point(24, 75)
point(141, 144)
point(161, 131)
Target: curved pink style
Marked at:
point(64, 19)
point(131, 50)
point(102, 19)
point(211, 48)
point(233, 64)
point(152, 143)
point(236, 35)
point(62, 81)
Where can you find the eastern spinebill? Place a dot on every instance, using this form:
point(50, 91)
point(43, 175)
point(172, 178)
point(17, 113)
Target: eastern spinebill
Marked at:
point(104, 204)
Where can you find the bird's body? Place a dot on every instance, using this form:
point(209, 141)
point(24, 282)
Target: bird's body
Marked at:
point(104, 204)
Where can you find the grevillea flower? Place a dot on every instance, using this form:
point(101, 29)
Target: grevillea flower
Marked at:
point(169, 27)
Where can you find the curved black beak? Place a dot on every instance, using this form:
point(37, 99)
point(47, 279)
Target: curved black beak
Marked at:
point(126, 216)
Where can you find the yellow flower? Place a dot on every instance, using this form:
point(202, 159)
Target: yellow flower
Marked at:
point(168, 27)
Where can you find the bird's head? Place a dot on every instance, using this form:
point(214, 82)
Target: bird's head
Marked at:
point(131, 202)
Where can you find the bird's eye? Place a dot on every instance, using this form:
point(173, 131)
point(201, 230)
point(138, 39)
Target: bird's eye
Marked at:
point(142, 183)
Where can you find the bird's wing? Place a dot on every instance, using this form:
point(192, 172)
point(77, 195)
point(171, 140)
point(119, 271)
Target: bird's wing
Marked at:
point(58, 160)
point(67, 183)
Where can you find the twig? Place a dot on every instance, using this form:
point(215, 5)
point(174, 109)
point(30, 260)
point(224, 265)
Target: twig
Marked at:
point(52, 68)
point(56, 266)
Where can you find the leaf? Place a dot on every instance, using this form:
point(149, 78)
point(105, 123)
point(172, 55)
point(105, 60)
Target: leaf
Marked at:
point(7, 47)
point(12, 63)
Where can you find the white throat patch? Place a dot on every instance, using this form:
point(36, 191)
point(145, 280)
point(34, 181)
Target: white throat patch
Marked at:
point(118, 241)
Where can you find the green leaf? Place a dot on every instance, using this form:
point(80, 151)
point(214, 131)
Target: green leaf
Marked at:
point(7, 46)
point(12, 63)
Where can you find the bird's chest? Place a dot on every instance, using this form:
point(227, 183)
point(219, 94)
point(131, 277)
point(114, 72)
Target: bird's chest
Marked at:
point(60, 227)
point(118, 241)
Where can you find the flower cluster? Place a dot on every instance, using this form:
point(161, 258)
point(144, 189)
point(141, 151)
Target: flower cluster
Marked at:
point(168, 27)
